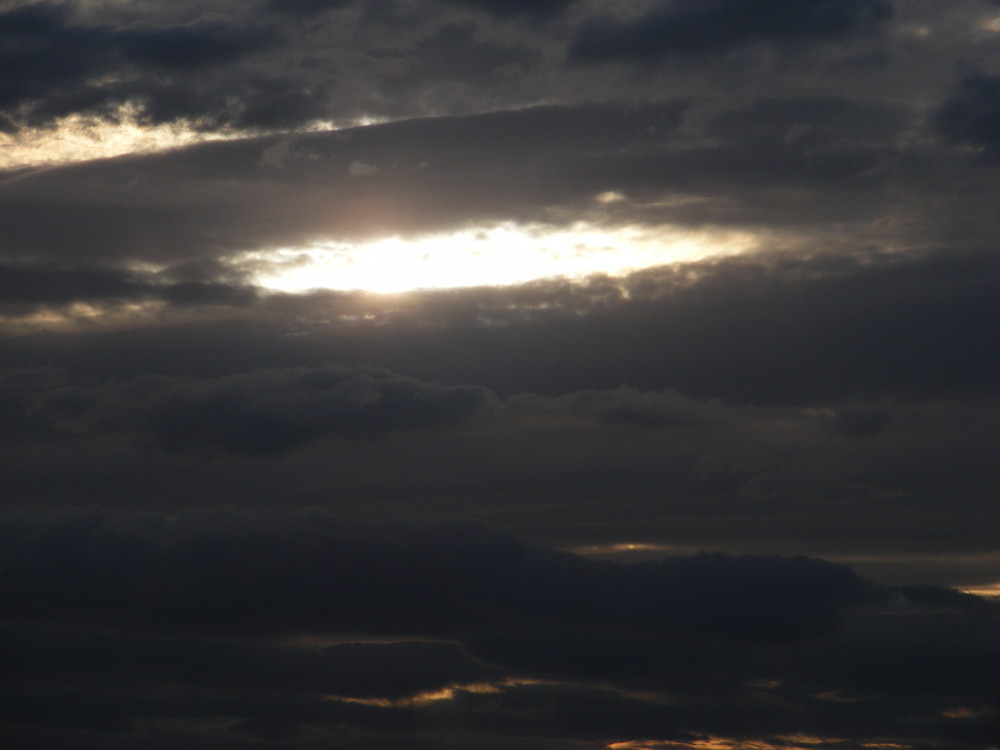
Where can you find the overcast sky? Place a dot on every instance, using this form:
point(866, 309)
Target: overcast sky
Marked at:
point(488, 374)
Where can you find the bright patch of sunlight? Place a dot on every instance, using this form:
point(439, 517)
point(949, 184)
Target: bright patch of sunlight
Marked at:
point(500, 255)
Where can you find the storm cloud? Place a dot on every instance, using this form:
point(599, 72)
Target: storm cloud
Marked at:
point(683, 27)
point(263, 412)
point(555, 375)
point(531, 620)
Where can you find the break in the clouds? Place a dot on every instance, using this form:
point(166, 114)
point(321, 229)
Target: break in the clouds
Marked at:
point(559, 375)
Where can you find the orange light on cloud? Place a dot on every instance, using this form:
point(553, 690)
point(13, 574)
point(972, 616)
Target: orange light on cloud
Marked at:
point(427, 697)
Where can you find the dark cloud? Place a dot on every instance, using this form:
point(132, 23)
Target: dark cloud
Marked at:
point(387, 670)
point(26, 289)
point(783, 331)
point(187, 48)
point(972, 114)
point(688, 27)
point(304, 7)
point(811, 122)
point(624, 406)
point(262, 413)
point(60, 65)
point(500, 8)
point(33, 286)
point(310, 571)
point(775, 404)
point(694, 436)
point(540, 644)
point(42, 51)
point(862, 422)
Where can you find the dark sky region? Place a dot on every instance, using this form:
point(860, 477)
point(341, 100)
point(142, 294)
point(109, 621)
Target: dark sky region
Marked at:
point(500, 374)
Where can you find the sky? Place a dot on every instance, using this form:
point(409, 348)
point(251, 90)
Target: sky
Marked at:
point(488, 374)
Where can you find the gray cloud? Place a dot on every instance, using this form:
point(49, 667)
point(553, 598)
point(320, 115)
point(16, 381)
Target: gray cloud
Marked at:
point(685, 27)
point(653, 649)
point(972, 114)
point(830, 393)
point(262, 413)
point(313, 571)
point(26, 289)
point(59, 61)
point(304, 7)
point(764, 166)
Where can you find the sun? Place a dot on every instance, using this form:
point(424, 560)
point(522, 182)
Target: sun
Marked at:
point(503, 254)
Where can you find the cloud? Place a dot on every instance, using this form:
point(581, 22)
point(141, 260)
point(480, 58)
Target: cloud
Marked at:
point(123, 626)
point(262, 413)
point(972, 114)
point(48, 52)
point(68, 66)
point(304, 7)
point(26, 289)
point(296, 572)
point(624, 406)
point(360, 169)
point(783, 331)
point(688, 27)
point(862, 422)
point(830, 392)
point(500, 8)
point(373, 669)
point(749, 330)
point(188, 48)
point(540, 166)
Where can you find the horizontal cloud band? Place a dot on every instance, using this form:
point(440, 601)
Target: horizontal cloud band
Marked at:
point(294, 572)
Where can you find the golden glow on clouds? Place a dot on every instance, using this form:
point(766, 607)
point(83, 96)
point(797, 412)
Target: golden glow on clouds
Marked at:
point(784, 742)
point(453, 691)
point(83, 316)
point(80, 137)
point(627, 549)
point(499, 255)
point(990, 590)
point(428, 697)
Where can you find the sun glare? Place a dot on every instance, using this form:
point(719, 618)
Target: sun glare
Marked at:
point(500, 255)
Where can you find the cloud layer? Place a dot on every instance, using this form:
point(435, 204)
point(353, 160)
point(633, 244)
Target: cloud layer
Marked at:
point(533, 624)
point(682, 437)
